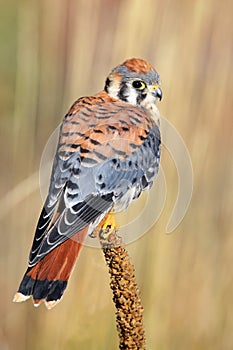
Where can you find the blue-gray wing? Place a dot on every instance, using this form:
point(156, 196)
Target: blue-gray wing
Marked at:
point(107, 154)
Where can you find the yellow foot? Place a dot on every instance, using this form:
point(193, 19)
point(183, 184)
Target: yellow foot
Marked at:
point(109, 222)
point(107, 231)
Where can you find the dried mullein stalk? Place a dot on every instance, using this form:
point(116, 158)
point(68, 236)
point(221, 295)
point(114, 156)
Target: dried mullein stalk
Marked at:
point(129, 310)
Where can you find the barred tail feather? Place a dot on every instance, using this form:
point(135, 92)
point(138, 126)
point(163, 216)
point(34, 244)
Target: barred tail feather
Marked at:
point(47, 280)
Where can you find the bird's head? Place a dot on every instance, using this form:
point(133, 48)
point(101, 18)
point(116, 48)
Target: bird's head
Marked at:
point(135, 82)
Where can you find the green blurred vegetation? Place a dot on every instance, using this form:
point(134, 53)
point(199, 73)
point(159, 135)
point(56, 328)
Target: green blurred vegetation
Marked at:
point(54, 51)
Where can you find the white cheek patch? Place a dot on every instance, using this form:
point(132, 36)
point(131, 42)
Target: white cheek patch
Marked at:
point(132, 95)
point(114, 89)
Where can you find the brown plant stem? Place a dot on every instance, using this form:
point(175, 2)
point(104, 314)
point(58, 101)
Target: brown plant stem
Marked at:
point(126, 296)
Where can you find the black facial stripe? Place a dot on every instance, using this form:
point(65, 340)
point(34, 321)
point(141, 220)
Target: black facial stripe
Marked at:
point(107, 84)
point(141, 96)
point(123, 92)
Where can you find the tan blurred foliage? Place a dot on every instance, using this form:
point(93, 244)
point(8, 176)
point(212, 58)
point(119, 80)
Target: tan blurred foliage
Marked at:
point(54, 51)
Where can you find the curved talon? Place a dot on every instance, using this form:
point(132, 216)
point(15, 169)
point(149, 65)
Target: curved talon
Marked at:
point(106, 226)
point(104, 234)
point(92, 235)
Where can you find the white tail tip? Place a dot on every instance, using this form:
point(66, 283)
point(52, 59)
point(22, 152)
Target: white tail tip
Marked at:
point(19, 297)
point(51, 304)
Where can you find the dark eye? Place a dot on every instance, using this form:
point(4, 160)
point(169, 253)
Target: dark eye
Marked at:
point(138, 84)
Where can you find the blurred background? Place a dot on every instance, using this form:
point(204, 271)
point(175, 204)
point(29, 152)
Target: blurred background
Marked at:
point(52, 52)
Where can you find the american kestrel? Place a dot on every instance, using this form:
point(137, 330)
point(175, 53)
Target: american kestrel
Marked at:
point(108, 153)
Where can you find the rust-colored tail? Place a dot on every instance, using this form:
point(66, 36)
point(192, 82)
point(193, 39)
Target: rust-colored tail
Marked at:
point(47, 280)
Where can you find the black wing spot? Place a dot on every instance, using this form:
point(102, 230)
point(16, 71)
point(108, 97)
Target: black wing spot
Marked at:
point(72, 145)
point(144, 182)
point(142, 137)
point(73, 185)
point(98, 131)
point(112, 127)
point(134, 180)
point(88, 160)
point(84, 150)
point(76, 171)
point(94, 142)
point(114, 161)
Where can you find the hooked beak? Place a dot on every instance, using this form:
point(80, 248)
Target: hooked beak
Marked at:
point(156, 91)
